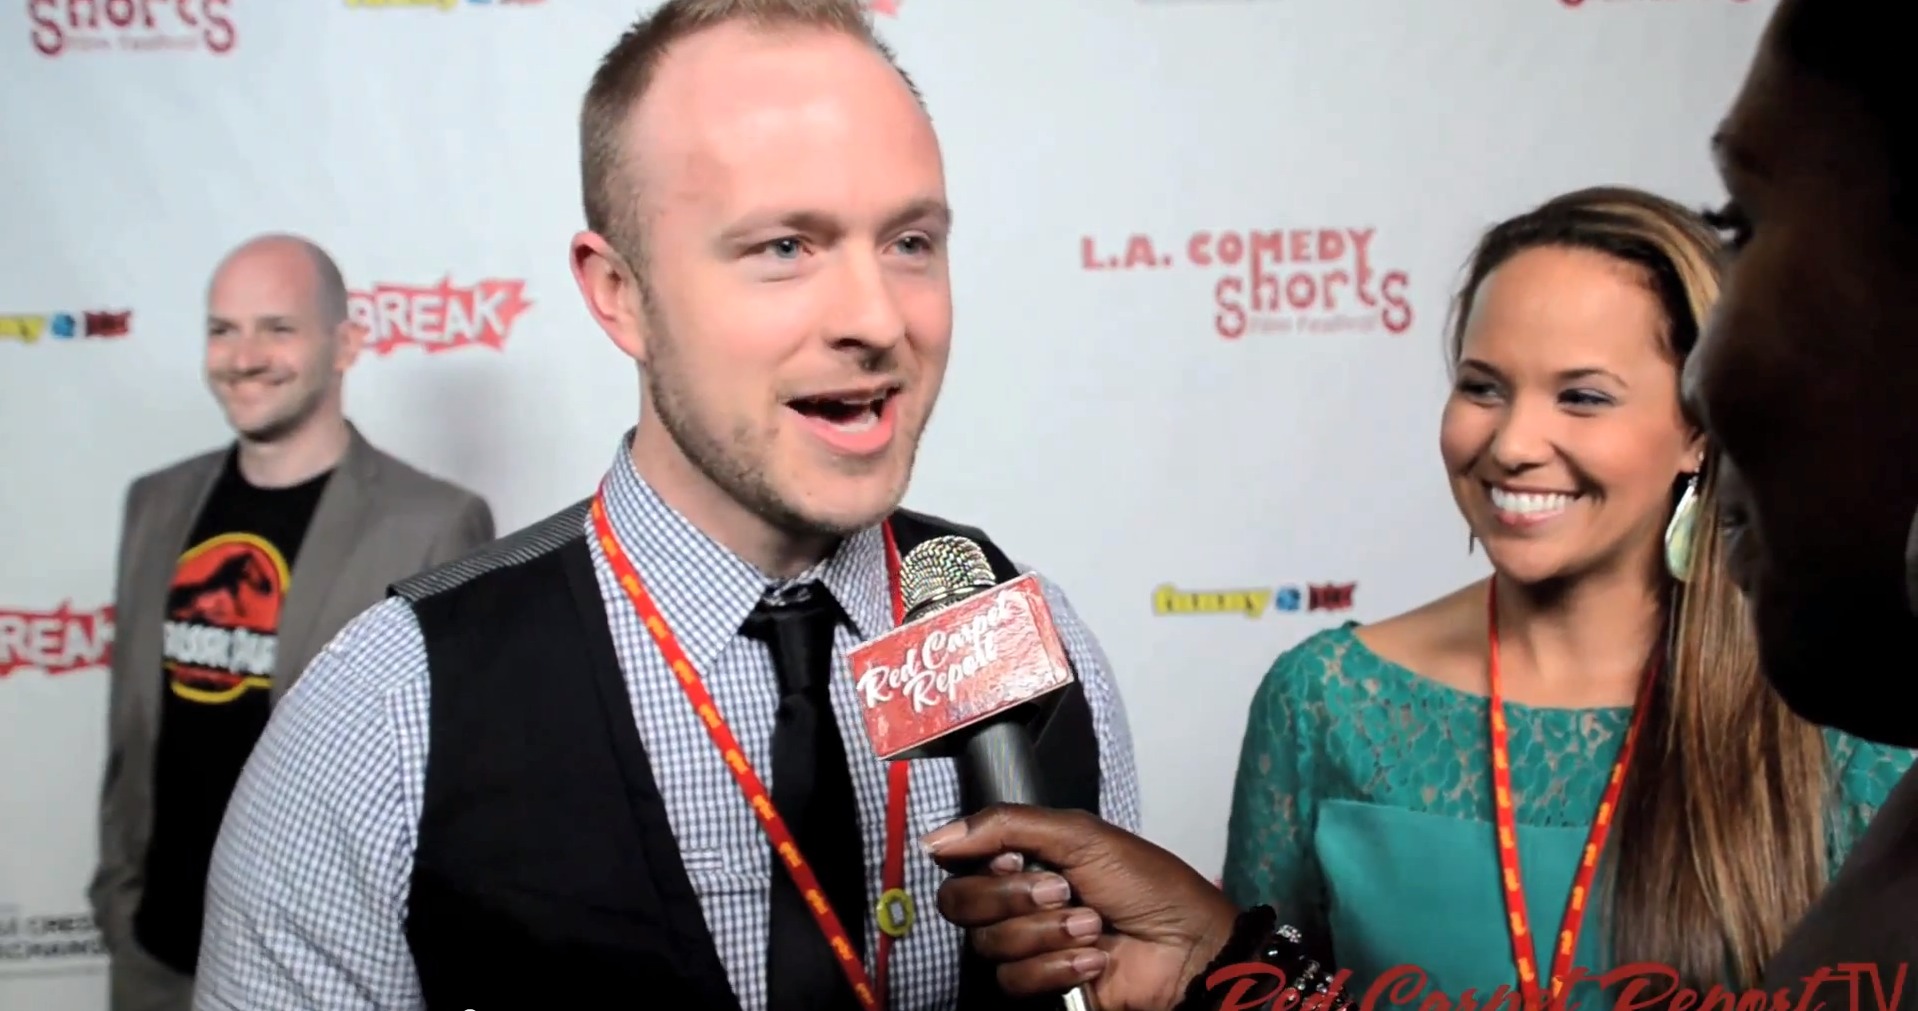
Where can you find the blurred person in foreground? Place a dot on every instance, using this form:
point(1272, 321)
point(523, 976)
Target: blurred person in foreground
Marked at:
point(618, 756)
point(1607, 665)
point(1807, 382)
point(236, 566)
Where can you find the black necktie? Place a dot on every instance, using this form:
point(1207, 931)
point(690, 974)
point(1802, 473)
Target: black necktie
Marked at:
point(812, 788)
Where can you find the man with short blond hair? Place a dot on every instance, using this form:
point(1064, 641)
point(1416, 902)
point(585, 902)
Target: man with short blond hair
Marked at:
point(618, 755)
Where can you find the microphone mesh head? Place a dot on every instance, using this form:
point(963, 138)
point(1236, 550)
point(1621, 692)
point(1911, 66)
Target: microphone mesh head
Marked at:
point(944, 568)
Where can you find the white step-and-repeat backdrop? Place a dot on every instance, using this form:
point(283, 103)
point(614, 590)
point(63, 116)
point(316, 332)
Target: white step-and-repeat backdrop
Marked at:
point(1205, 255)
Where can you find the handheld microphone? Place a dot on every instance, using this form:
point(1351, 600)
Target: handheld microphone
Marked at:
point(956, 677)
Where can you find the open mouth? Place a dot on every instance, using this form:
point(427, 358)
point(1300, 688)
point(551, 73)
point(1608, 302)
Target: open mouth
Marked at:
point(855, 424)
point(853, 413)
point(1524, 508)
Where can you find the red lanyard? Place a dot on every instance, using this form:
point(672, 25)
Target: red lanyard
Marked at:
point(1519, 921)
point(894, 910)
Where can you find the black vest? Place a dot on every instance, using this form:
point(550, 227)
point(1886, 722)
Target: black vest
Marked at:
point(546, 874)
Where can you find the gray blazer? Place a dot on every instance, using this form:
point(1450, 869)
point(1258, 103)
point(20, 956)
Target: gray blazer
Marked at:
point(377, 522)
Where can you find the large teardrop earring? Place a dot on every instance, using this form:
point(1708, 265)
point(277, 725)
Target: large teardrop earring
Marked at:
point(1680, 533)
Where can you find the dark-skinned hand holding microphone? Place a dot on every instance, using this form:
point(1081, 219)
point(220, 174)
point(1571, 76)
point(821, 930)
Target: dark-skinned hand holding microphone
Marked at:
point(1156, 924)
point(1067, 903)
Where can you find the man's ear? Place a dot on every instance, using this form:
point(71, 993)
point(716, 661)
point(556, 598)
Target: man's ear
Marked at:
point(610, 286)
point(351, 339)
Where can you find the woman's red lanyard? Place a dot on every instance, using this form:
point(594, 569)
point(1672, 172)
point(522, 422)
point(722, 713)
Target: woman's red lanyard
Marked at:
point(894, 910)
point(1513, 885)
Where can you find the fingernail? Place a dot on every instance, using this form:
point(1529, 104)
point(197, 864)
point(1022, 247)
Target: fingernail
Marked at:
point(1083, 923)
point(1051, 890)
point(1089, 963)
point(1009, 863)
point(944, 835)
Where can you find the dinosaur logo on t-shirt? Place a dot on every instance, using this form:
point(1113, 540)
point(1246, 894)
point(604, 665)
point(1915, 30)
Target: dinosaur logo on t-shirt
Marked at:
point(223, 618)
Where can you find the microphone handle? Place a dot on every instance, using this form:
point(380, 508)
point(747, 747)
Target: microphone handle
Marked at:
point(1000, 758)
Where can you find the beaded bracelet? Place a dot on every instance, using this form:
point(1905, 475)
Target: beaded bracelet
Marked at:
point(1257, 936)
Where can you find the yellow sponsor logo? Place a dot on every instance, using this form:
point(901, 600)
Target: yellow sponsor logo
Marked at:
point(25, 329)
point(1170, 600)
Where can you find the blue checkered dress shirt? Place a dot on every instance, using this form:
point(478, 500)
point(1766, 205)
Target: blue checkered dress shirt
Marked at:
point(306, 904)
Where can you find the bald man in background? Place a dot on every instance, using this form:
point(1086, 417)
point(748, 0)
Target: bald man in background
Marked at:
point(235, 567)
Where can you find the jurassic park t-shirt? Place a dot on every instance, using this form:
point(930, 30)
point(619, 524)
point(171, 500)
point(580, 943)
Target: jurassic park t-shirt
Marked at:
point(222, 630)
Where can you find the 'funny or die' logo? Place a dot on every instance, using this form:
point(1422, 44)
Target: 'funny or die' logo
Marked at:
point(88, 324)
point(1255, 601)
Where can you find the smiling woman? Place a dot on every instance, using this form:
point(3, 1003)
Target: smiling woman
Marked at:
point(1601, 683)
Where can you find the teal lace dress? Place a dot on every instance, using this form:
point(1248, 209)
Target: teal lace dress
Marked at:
point(1363, 812)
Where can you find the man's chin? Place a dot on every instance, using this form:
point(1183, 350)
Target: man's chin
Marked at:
point(845, 518)
point(852, 506)
point(264, 432)
point(263, 426)
point(854, 494)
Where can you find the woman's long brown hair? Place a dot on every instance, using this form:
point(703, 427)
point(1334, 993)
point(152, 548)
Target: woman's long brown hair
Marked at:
point(1719, 843)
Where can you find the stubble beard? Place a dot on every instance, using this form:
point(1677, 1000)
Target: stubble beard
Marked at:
point(735, 463)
